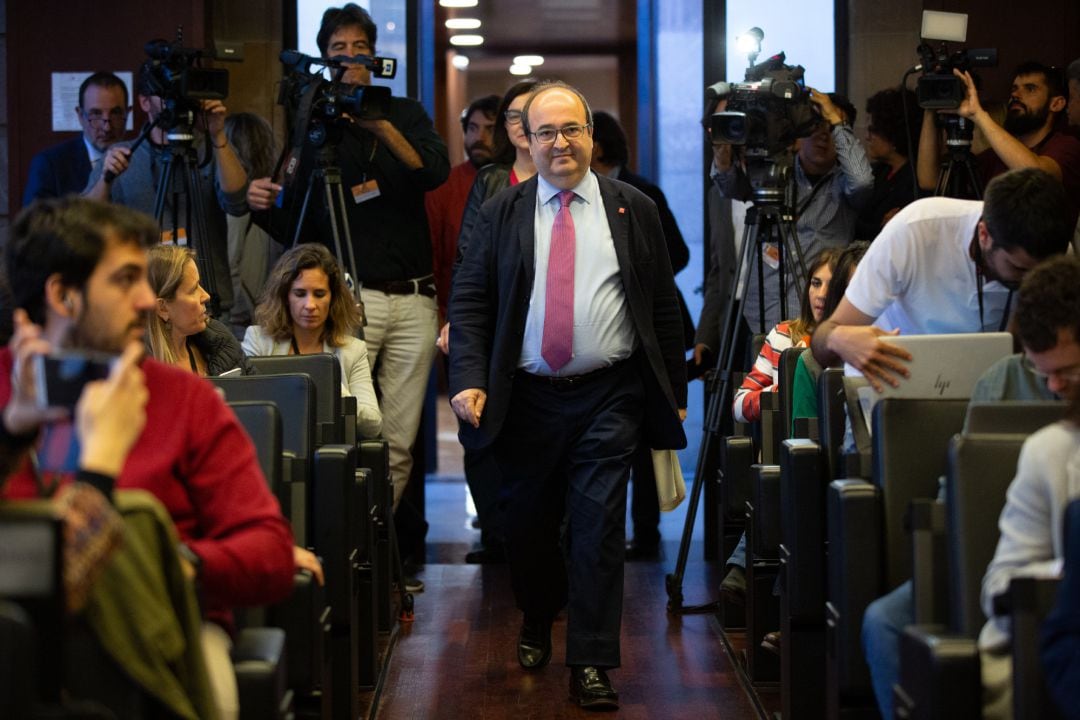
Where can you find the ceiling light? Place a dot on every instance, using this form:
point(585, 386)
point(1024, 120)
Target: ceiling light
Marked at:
point(462, 23)
point(461, 62)
point(466, 39)
point(458, 3)
point(529, 60)
point(520, 69)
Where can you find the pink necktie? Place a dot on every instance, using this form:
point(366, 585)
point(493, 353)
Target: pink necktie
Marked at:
point(558, 341)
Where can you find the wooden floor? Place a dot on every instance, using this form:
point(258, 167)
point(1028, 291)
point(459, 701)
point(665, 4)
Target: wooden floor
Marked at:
point(457, 659)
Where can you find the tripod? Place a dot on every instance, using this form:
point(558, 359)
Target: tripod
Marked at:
point(771, 219)
point(958, 176)
point(180, 178)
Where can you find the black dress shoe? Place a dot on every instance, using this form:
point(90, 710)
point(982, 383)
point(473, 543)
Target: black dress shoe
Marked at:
point(642, 551)
point(490, 555)
point(534, 644)
point(591, 689)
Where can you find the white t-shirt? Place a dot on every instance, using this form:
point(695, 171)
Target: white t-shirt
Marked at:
point(918, 275)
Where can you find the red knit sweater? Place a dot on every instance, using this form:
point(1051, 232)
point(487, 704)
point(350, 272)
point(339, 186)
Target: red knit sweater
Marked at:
point(197, 460)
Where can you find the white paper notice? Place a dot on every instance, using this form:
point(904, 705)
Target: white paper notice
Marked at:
point(65, 98)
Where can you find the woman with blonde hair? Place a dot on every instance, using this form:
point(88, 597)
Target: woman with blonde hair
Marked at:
point(179, 331)
point(306, 307)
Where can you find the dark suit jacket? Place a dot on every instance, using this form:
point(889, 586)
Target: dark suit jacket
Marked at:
point(490, 302)
point(58, 171)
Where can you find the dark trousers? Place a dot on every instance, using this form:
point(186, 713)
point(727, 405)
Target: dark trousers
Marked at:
point(482, 477)
point(644, 502)
point(566, 453)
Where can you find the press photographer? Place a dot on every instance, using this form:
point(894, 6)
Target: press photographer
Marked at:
point(829, 182)
point(386, 165)
point(182, 169)
point(1031, 137)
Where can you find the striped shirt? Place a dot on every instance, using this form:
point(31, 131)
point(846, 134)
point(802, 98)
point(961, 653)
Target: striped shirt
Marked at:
point(762, 377)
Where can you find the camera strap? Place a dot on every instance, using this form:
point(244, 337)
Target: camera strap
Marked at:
point(813, 192)
point(980, 280)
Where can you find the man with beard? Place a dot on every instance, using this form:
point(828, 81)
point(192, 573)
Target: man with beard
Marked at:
point(1030, 138)
point(943, 265)
point(65, 168)
point(446, 204)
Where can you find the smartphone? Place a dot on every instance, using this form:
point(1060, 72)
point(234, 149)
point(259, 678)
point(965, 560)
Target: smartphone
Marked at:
point(61, 376)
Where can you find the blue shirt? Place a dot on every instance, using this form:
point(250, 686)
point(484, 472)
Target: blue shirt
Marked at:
point(603, 331)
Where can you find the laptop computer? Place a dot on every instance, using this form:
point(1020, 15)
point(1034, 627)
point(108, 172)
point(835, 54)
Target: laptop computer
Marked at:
point(941, 366)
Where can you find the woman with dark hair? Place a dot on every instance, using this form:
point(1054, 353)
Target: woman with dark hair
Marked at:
point(804, 400)
point(789, 333)
point(179, 331)
point(889, 153)
point(306, 308)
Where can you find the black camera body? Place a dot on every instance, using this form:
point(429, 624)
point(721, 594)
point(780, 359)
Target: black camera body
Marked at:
point(767, 112)
point(318, 107)
point(938, 88)
point(173, 74)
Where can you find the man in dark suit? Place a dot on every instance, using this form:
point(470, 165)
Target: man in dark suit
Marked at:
point(65, 168)
point(565, 354)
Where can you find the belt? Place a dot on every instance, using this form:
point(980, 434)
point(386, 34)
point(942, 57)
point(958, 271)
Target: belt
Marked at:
point(565, 382)
point(423, 286)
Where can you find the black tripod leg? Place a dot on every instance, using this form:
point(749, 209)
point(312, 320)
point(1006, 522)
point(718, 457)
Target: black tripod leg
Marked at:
point(722, 373)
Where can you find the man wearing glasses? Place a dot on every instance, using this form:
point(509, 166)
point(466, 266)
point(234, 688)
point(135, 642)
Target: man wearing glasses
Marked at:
point(65, 168)
point(565, 353)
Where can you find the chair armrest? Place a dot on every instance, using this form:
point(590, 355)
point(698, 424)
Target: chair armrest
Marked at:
point(736, 459)
point(259, 662)
point(926, 521)
point(766, 510)
point(939, 675)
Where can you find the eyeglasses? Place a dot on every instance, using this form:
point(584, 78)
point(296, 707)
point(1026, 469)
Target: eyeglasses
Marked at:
point(1065, 374)
point(97, 118)
point(570, 132)
point(513, 117)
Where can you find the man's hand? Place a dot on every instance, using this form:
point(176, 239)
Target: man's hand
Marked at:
point(306, 560)
point(469, 405)
point(214, 112)
point(115, 161)
point(723, 156)
point(22, 415)
point(443, 342)
point(111, 415)
point(970, 107)
point(877, 360)
point(682, 414)
point(829, 112)
point(262, 193)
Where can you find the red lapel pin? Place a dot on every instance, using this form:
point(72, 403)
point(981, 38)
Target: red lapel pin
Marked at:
point(622, 211)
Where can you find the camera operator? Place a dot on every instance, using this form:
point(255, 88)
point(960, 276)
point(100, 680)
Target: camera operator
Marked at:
point(222, 180)
point(387, 165)
point(1030, 138)
point(833, 181)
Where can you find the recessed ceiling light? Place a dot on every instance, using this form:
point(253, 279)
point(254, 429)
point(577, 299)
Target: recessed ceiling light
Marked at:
point(462, 23)
point(466, 39)
point(461, 62)
point(520, 69)
point(529, 60)
point(458, 3)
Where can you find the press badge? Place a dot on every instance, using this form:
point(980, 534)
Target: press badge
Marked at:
point(770, 254)
point(180, 239)
point(365, 191)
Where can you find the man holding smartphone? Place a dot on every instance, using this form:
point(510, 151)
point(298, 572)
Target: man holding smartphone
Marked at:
point(77, 274)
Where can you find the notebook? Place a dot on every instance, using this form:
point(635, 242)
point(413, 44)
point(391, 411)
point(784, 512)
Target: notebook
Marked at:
point(941, 366)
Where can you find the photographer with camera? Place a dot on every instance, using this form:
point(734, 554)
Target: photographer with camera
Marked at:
point(1030, 138)
point(387, 164)
point(833, 180)
point(130, 176)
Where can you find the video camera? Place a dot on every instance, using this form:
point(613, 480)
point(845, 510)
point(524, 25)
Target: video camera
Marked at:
point(318, 106)
point(767, 112)
point(172, 73)
point(938, 88)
